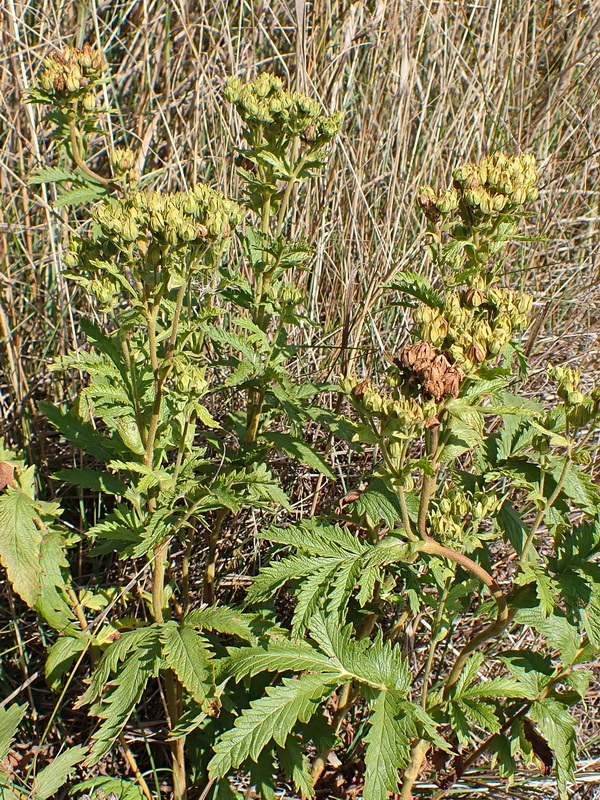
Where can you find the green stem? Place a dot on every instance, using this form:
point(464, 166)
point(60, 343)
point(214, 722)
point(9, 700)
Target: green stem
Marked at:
point(433, 643)
point(133, 378)
point(429, 484)
point(285, 200)
point(494, 629)
point(78, 158)
point(211, 559)
point(543, 511)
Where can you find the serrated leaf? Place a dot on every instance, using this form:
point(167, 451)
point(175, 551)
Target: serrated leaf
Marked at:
point(296, 766)
point(52, 175)
point(10, 719)
point(299, 450)
point(376, 663)
point(124, 790)
point(481, 713)
point(79, 195)
point(51, 602)
point(117, 651)
point(188, 656)
point(60, 656)
point(388, 747)
point(558, 728)
point(312, 593)
point(224, 620)
point(415, 285)
point(79, 433)
point(262, 776)
point(273, 576)
point(20, 542)
point(126, 690)
point(510, 523)
point(271, 717)
point(461, 437)
point(532, 670)
point(277, 657)
point(51, 778)
point(93, 479)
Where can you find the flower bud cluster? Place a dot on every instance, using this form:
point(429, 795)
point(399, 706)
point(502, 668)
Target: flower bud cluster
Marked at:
point(194, 217)
point(265, 103)
point(580, 407)
point(408, 410)
point(286, 294)
point(497, 184)
point(158, 236)
point(122, 160)
point(459, 513)
point(475, 325)
point(72, 72)
point(568, 381)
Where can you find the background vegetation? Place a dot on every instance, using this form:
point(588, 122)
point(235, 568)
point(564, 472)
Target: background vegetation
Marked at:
point(423, 86)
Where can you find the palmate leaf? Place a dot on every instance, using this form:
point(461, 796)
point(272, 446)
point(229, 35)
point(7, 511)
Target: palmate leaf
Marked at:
point(117, 651)
point(295, 763)
point(558, 728)
point(418, 287)
point(299, 450)
point(224, 620)
point(388, 746)
point(51, 778)
point(188, 656)
point(375, 663)
point(277, 657)
point(119, 704)
point(21, 539)
point(271, 717)
point(10, 719)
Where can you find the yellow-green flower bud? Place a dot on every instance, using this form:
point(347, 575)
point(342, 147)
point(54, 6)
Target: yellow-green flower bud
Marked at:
point(130, 230)
point(89, 102)
point(70, 259)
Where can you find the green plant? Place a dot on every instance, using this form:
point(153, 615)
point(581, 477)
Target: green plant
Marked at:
point(153, 264)
point(187, 391)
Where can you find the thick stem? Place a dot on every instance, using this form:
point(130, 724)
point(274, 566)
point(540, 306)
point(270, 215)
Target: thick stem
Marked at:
point(177, 745)
point(211, 559)
point(494, 629)
point(411, 773)
point(429, 484)
point(158, 581)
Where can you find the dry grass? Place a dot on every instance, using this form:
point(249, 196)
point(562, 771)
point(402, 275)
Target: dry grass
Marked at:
point(423, 84)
